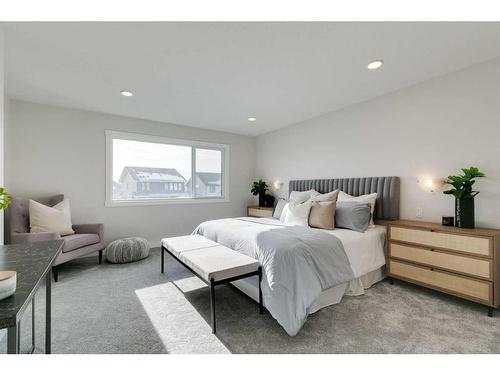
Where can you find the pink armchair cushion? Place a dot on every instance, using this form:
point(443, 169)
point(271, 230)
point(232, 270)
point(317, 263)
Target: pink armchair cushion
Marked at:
point(76, 241)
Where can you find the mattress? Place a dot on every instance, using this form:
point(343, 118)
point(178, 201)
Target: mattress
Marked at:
point(367, 258)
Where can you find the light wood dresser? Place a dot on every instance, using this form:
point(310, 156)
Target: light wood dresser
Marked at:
point(256, 211)
point(462, 262)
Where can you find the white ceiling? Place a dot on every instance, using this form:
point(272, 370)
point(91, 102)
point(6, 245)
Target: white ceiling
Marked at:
point(216, 75)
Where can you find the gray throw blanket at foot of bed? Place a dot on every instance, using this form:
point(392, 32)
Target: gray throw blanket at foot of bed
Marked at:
point(298, 263)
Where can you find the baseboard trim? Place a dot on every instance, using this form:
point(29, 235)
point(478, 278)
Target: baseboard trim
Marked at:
point(154, 244)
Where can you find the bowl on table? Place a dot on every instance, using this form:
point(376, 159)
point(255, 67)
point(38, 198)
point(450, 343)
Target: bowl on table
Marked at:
point(8, 280)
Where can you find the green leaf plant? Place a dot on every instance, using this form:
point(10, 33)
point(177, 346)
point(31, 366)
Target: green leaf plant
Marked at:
point(4, 199)
point(462, 184)
point(258, 187)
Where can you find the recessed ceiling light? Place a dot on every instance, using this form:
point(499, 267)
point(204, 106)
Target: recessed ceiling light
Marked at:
point(252, 119)
point(375, 64)
point(126, 93)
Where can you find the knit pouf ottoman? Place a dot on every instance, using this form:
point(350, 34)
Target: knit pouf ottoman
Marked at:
point(127, 250)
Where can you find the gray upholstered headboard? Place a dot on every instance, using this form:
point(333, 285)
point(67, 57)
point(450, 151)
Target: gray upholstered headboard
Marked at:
point(387, 205)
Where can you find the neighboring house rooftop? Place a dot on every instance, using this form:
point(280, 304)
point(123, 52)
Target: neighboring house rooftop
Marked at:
point(209, 178)
point(147, 174)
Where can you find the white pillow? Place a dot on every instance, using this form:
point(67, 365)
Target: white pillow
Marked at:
point(56, 219)
point(298, 214)
point(284, 212)
point(367, 198)
point(302, 196)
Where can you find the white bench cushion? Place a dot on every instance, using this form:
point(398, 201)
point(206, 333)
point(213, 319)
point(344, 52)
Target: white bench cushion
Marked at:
point(208, 258)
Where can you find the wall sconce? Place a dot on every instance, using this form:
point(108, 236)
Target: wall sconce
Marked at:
point(278, 184)
point(430, 185)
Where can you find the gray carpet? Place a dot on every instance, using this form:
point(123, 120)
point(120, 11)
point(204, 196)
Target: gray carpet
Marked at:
point(132, 308)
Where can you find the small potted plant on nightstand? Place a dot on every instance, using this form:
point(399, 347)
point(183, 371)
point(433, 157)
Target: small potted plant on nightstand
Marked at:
point(464, 196)
point(259, 187)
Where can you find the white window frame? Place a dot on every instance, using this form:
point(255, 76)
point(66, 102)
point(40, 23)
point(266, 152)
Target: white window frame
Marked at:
point(112, 134)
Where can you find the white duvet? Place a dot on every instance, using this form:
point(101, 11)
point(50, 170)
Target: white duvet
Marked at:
point(298, 263)
point(364, 250)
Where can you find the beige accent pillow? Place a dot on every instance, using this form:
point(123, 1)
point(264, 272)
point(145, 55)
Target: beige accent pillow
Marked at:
point(322, 215)
point(56, 219)
point(331, 196)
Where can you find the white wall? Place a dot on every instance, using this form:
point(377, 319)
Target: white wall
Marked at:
point(56, 150)
point(431, 129)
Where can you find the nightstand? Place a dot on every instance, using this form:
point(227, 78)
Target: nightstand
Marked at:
point(457, 261)
point(256, 211)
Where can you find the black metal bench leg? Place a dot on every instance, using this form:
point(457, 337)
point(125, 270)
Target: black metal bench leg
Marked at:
point(100, 256)
point(56, 273)
point(162, 259)
point(261, 306)
point(33, 344)
point(212, 304)
point(48, 312)
point(490, 312)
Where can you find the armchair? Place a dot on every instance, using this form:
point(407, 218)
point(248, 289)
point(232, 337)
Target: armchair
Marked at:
point(88, 238)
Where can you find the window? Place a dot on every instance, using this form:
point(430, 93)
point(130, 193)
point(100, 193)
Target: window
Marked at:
point(143, 169)
point(208, 172)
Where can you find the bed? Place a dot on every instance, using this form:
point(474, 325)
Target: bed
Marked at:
point(307, 269)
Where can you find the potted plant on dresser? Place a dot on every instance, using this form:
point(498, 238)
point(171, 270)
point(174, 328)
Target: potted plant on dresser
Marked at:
point(464, 195)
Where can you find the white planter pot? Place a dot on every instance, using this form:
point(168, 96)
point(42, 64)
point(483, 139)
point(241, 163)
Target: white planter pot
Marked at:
point(8, 281)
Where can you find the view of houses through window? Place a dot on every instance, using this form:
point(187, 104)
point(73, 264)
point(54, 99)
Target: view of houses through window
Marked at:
point(152, 170)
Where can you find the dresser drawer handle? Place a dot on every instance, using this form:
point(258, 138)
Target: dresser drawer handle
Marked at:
point(432, 269)
point(431, 249)
point(432, 230)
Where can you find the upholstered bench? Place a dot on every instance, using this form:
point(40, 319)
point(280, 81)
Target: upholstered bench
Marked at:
point(213, 263)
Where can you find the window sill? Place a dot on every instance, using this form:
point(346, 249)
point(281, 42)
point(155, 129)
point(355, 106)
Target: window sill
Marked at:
point(161, 202)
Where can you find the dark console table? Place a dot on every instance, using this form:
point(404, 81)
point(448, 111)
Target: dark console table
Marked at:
point(33, 263)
